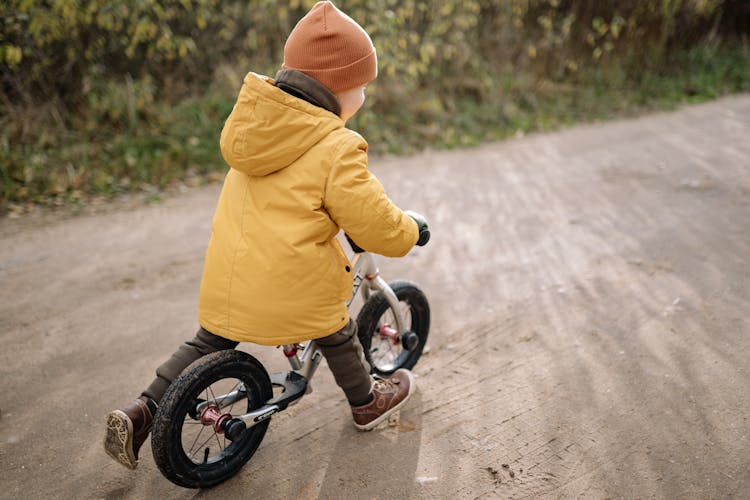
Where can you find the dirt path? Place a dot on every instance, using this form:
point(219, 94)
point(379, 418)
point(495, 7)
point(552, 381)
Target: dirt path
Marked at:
point(591, 309)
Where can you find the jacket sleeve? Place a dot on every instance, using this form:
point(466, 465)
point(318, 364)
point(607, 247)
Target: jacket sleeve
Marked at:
point(357, 203)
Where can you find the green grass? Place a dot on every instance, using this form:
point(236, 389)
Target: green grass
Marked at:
point(175, 144)
point(115, 151)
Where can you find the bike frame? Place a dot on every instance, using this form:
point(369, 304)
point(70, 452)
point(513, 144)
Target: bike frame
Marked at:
point(367, 279)
point(295, 383)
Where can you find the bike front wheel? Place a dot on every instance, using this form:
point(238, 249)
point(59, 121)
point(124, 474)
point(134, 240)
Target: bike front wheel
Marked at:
point(189, 446)
point(385, 348)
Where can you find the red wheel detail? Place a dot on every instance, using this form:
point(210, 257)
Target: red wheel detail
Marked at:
point(212, 416)
point(388, 332)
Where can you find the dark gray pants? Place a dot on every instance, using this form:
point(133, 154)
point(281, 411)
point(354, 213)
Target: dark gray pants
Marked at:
point(347, 362)
point(342, 351)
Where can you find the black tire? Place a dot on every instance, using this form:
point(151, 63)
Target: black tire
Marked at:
point(173, 424)
point(386, 355)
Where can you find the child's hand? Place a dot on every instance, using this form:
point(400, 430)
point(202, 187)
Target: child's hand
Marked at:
point(424, 230)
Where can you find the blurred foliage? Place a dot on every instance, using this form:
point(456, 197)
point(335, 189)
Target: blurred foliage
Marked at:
point(105, 96)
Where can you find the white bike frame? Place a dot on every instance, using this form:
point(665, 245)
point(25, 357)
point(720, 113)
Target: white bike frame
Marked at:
point(367, 279)
point(304, 364)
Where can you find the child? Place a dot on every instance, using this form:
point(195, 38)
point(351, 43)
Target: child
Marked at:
point(275, 272)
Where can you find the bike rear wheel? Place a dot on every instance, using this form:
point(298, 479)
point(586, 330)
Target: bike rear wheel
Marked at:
point(189, 450)
point(385, 349)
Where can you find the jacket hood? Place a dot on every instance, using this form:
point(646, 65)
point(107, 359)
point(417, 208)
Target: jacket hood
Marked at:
point(269, 129)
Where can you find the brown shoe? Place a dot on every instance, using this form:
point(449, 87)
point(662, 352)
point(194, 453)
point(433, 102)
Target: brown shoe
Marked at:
point(127, 429)
point(388, 396)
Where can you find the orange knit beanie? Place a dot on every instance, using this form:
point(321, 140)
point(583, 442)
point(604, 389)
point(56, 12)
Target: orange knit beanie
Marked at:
point(331, 47)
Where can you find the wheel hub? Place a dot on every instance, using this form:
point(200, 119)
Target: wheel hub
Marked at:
point(213, 417)
point(410, 340)
point(386, 331)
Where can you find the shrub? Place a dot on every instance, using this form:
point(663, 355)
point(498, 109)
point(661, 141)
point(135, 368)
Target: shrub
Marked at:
point(93, 90)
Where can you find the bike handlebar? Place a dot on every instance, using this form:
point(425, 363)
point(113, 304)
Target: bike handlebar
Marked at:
point(424, 233)
point(424, 237)
point(354, 246)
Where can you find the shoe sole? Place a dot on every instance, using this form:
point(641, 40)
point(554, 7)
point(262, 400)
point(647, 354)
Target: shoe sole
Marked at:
point(370, 426)
point(118, 441)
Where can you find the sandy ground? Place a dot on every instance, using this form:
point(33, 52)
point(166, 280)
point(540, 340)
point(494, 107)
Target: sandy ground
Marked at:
point(591, 304)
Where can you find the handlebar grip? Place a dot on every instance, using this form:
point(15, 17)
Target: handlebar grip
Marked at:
point(354, 246)
point(424, 237)
point(424, 229)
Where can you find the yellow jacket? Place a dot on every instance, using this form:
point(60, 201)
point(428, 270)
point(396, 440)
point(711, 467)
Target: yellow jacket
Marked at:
point(275, 272)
